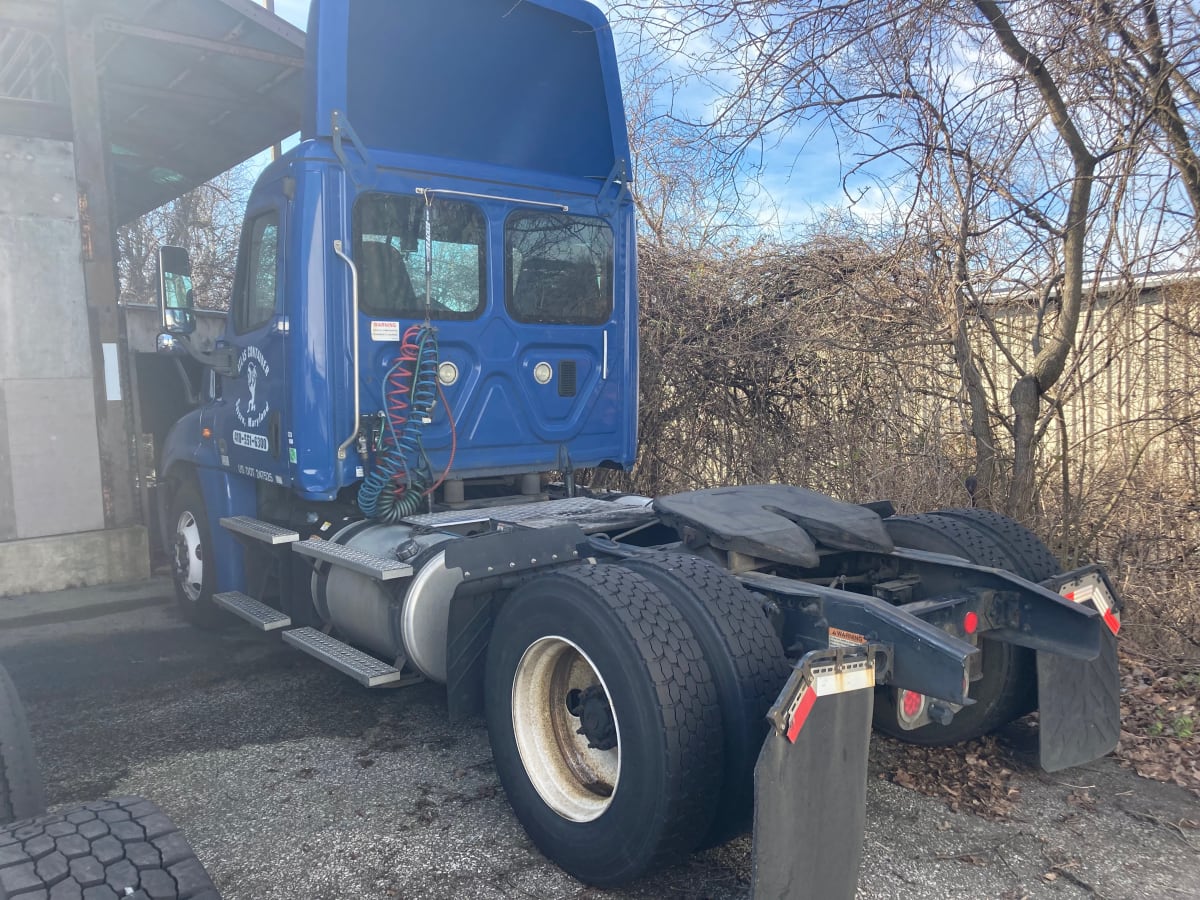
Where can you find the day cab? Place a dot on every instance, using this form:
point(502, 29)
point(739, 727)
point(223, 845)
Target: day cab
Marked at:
point(464, 164)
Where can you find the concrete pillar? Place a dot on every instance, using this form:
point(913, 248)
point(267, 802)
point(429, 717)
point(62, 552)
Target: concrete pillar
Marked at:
point(110, 378)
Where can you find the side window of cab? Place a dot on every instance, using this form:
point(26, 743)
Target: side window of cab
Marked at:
point(254, 293)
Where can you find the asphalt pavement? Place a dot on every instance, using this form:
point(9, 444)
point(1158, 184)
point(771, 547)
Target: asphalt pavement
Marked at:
point(294, 782)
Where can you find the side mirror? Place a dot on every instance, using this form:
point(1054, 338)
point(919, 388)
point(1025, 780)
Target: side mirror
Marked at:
point(175, 301)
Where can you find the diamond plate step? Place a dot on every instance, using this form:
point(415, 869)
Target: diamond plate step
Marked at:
point(365, 563)
point(260, 531)
point(362, 668)
point(253, 611)
point(586, 512)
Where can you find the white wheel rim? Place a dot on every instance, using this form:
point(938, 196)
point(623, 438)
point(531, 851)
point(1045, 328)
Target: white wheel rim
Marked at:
point(189, 556)
point(576, 781)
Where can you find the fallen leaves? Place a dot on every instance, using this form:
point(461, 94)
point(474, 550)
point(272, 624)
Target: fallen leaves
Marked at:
point(973, 777)
point(1160, 715)
point(1158, 703)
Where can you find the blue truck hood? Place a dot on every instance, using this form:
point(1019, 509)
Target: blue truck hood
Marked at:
point(472, 80)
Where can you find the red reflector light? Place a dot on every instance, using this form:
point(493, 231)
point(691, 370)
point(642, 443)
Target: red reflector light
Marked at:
point(1110, 618)
point(970, 623)
point(910, 703)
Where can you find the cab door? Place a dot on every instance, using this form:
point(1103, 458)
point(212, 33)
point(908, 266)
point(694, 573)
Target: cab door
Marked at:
point(250, 427)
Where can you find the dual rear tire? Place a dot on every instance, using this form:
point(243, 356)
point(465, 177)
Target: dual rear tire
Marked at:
point(624, 703)
point(1007, 686)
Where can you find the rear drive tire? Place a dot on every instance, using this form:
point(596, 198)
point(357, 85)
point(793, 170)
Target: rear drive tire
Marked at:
point(22, 793)
point(107, 850)
point(600, 648)
point(191, 568)
point(1029, 553)
point(748, 666)
point(1007, 688)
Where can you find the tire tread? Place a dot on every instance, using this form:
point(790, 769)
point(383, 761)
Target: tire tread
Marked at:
point(732, 630)
point(662, 648)
point(101, 849)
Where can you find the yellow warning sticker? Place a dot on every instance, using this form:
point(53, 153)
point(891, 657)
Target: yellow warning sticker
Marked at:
point(840, 638)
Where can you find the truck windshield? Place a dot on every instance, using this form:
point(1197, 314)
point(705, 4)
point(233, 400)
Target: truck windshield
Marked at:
point(559, 268)
point(389, 249)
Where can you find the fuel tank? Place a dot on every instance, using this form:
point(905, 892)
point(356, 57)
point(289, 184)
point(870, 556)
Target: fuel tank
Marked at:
point(405, 618)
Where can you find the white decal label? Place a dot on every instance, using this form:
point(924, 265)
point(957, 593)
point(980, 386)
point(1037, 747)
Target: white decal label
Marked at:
point(260, 474)
point(251, 411)
point(112, 373)
point(385, 331)
point(252, 441)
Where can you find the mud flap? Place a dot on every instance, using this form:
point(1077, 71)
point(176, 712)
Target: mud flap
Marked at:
point(1079, 703)
point(810, 783)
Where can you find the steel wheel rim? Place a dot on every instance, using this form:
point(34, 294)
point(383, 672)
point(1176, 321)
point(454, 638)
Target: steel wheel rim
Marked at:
point(576, 781)
point(189, 556)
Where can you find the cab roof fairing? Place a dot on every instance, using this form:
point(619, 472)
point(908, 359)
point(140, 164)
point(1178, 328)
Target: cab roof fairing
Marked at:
point(532, 86)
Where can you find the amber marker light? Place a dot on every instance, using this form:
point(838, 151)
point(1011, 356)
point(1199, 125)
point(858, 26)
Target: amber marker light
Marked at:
point(206, 432)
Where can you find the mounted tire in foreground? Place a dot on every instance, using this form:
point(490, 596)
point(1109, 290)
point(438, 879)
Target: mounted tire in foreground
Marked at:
point(1007, 688)
point(192, 570)
point(107, 850)
point(21, 791)
point(604, 722)
point(747, 662)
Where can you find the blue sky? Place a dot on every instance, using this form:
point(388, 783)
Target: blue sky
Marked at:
point(801, 173)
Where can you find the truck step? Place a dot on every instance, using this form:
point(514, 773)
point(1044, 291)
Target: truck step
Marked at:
point(586, 512)
point(365, 563)
point(260, 531)
point(365, 669)
point(253, 611)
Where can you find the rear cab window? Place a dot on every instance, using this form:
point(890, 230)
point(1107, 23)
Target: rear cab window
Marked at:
point(558, 268)
point(389, 250)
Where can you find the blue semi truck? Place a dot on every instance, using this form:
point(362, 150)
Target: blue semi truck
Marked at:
point(435, 305)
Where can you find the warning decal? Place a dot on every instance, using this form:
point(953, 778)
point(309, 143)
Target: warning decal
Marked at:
point(840, 638)
point(385, 331)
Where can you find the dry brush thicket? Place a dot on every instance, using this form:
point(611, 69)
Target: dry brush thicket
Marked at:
point(830, 364)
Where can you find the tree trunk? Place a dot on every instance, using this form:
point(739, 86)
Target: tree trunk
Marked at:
point(1026, 401)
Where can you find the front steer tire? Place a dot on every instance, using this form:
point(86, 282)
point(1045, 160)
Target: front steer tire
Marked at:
point(121, 849)
point(193, 570)
point(22, 793)
point(608, 814)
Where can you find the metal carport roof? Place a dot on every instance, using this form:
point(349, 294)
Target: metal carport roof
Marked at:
point(187, 88)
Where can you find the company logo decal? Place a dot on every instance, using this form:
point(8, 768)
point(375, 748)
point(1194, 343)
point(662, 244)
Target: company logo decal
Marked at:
point(252, 365)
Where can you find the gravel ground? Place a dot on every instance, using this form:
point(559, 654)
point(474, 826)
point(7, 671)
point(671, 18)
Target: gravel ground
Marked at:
point(293, 782)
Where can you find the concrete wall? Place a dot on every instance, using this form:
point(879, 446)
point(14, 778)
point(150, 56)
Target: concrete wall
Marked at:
point(49, 453)
point(49, 449)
